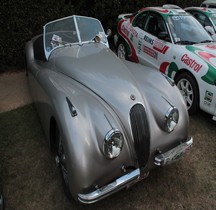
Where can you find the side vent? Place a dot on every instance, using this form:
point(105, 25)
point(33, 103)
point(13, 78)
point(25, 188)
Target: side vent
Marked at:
point(141, 134)
point(72, 108)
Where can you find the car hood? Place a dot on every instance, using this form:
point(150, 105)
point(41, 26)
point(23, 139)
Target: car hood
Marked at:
point(100, 70)
point(207, 52)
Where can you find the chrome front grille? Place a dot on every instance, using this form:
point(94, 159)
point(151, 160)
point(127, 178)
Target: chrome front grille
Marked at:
point(141, 134)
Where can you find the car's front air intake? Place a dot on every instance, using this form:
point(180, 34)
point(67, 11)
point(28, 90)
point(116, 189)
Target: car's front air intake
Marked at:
point(141, 135)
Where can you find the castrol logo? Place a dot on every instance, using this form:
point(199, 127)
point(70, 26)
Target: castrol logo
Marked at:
point(192, 63)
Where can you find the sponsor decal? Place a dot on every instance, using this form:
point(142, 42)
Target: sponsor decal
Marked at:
point(164, 66)
point(191, 63)
point(170, 69)
point(160, 47)
point(210, 46)
point(131, 50)
point(210, 60)
point(149, 40)
point(203, 9)
point(139, 46)
point(177, 18)
point(150, 52)
point(133, 31)
point(207, 103)
point(130, 28)
point(165, 11)
point(208, 96)
point(124, 30)
point(157, 44)
point(208, 57)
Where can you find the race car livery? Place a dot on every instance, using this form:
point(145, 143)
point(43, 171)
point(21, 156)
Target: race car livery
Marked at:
point(174, 42)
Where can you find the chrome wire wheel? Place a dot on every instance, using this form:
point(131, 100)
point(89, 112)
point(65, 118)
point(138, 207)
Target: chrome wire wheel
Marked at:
point(121, 51)
point(60, 159)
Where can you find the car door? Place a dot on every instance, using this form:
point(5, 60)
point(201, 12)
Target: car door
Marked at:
point(153, 41)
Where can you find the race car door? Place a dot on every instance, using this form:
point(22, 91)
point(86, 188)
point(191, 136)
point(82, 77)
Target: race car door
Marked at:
point(153, 41)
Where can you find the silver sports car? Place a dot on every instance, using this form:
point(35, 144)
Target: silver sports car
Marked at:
point(108, 122)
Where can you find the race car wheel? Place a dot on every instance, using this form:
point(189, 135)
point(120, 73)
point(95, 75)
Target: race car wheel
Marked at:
point(122, 50)
point(61, 163)
point(189, 90)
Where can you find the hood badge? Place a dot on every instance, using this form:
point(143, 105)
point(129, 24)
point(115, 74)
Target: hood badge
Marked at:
point(133, 97)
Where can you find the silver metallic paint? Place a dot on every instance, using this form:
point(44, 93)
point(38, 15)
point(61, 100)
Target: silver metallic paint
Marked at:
point(100, 85)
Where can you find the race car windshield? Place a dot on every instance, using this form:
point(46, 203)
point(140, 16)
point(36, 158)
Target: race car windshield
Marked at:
point(70, 31)
point(186, 30)
point(213, 18)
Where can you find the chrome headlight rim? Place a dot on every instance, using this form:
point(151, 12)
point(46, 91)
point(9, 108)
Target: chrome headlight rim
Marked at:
point(113, 143)
point(171, 119)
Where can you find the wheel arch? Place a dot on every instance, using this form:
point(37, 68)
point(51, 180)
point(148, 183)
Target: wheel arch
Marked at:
point(121, 39)
point(130, 49)
point(181, 71)
point(186, 71)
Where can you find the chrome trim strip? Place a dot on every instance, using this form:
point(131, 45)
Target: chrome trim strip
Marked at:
point(77, 29)
point(171, 155)
point(110, 188)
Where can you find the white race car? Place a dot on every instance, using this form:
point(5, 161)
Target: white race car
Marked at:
point(174, 42)
point(206, 16)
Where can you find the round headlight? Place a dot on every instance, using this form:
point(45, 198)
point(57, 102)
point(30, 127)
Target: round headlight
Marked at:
point(171, 118)
point(113, 143)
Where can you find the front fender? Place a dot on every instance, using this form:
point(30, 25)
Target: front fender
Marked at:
point(83, 137)
point(161, 95)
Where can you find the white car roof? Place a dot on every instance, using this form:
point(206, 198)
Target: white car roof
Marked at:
point(208, 2)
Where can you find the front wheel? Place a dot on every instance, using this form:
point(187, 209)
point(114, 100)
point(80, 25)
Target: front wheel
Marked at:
point(189, 90)
point(122, 50)
point(61, 162)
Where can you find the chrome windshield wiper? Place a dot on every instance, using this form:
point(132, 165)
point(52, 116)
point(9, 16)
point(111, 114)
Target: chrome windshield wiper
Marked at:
point(185, 42)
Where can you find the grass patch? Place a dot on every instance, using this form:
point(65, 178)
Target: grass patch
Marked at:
point(32, 181)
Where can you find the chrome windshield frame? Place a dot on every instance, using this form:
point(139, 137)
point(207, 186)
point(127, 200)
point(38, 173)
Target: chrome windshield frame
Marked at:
point(48, 50)
point(77, 29)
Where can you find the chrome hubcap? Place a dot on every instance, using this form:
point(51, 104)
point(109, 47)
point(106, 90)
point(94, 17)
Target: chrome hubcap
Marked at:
point(186, 90)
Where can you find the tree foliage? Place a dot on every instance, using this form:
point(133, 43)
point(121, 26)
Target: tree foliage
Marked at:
point(22, 19)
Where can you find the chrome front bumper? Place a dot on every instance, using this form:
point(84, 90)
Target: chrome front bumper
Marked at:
point(173, 154)
point(134, 176)
point(118, 184)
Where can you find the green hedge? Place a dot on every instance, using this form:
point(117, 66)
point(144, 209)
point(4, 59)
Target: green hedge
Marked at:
point(22, 19)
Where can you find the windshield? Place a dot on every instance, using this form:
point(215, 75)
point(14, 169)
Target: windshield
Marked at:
point(213, 18)
point(187, 30)
point(71, 30)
